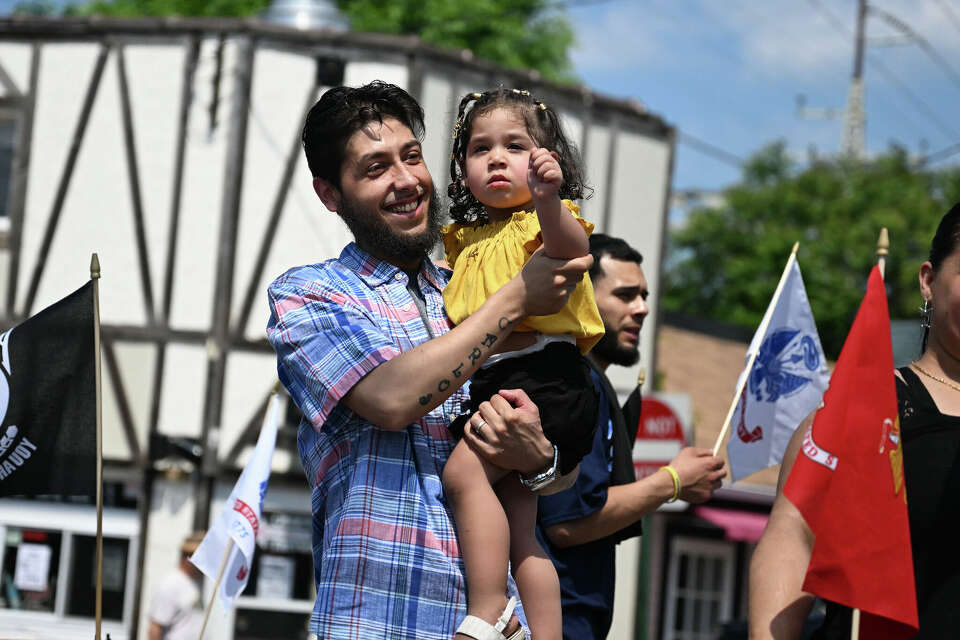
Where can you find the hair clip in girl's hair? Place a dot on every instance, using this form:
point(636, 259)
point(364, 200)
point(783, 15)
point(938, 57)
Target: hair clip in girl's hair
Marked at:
point(476, 96)
point(542, 106)
point(521, 92)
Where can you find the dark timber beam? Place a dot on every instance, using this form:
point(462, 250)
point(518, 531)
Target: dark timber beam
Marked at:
point(275, 213)
point(65, 177)
point(145, 504)
point(133, 172)
point(250, 431)
point(7, 82)
point(123, 405)
point(218, 343)
point(18, 181)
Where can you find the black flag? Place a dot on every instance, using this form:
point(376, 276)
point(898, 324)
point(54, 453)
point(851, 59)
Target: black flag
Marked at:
point(48, 434)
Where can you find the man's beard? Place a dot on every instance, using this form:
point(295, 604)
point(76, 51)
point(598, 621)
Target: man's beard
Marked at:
point(375, 236)
point(609, 350)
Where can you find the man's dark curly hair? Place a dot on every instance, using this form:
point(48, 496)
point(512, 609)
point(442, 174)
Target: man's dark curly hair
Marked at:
point(617, 248)
point(342, 111)
point(544, 127)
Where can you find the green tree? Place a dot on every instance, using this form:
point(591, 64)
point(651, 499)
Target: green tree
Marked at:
point(34, 8)
point(726, 261)
point(202, 8)
point(519, 34)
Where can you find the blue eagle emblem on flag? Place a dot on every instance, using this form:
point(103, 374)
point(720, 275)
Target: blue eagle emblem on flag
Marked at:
point(784, 363)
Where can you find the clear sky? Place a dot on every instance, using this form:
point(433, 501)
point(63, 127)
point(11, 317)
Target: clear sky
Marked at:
point(727, 72)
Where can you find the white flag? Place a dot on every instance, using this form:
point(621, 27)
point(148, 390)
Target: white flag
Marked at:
point(786, 383)
point(240, 518)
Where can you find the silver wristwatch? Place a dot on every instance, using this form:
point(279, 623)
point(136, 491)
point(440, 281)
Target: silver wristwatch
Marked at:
point(542, 479)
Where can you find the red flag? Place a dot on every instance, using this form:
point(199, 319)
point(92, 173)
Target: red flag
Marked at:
point(848, 483)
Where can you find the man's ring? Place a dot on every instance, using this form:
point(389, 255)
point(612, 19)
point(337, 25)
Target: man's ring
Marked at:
point(477, 429)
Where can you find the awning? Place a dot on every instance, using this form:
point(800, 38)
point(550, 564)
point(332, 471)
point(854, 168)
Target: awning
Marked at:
point(746, 526)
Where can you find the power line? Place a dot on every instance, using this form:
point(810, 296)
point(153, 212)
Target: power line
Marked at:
point(836, 22)
point(748, 108)
point(949, 13)
point(943, 154)
point(918, 102)
point(708, 149)
point(923, 43)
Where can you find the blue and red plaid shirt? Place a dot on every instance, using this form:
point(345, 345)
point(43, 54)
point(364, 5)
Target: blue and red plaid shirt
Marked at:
point(385, 553)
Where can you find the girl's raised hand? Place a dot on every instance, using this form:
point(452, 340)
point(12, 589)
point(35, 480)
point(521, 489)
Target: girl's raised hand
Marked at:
point(544, 176)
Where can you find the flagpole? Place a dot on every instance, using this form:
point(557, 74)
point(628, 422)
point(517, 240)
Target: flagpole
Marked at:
point(216, 586)
point(753, 356)
point(95, 277)
point(883, 249)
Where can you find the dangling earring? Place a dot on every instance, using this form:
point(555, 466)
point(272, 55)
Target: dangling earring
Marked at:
point(925, 312)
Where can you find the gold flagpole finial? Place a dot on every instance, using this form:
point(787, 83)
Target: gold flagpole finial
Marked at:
point(94, 267)
point(883, 242)
point(796, 247)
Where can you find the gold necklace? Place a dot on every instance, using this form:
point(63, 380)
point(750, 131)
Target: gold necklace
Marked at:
point(953, 386)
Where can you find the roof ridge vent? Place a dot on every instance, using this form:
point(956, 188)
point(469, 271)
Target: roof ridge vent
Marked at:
point(306, 15)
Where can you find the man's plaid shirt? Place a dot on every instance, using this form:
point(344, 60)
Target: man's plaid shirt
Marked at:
point(385, 552)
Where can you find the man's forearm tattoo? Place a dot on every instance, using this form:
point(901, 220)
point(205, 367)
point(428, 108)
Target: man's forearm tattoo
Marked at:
point(474, 355)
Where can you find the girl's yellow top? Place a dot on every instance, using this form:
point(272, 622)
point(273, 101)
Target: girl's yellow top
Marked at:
point(485, 256)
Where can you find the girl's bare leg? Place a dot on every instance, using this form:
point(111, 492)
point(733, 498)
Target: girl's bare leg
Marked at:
point(533, 570)
point(482, 530)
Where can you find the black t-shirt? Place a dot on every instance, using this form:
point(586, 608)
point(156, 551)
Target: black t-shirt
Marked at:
point(931, 460)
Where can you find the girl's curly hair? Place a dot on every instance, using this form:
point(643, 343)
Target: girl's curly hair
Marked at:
point(544, 127)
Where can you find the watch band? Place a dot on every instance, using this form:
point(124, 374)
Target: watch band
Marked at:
point(540, 480)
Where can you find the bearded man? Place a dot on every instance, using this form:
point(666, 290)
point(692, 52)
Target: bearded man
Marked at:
point(580, 527)
point(367, 352)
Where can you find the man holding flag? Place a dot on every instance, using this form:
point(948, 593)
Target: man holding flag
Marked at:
point(869, 485)
point(580, 527)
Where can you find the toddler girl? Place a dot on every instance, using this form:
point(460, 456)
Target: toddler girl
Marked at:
point(511, 165)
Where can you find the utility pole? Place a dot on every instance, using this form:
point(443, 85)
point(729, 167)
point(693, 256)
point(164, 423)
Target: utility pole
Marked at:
point(853, 132)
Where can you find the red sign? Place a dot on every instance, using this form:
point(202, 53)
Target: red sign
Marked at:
point(659, 437)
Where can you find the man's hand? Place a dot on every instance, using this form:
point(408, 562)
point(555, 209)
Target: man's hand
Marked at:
point(547, 282)
point(512, 437)
point(544, 175)
point(700, 473)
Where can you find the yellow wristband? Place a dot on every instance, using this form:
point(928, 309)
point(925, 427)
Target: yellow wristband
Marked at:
point(676, 482)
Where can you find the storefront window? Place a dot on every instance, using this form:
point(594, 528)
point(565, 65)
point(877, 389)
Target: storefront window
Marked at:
point(31, 562)
point(253, 624)
point(279, 596)
point(699, 586)
point(283, 564)
point(81, 599)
